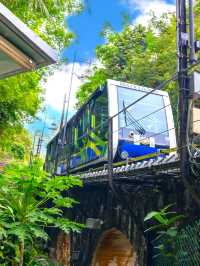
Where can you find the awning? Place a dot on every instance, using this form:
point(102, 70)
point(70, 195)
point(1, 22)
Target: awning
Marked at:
point(20, 48)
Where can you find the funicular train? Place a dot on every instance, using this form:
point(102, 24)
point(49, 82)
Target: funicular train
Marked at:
point(142, 129)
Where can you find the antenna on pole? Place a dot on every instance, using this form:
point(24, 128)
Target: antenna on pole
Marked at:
point(63, 120)
point(68, 100)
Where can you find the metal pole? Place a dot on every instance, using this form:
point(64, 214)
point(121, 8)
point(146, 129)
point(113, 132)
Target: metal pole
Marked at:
point(63, 112)
point(110, 151)
point(62, 122)
point(38, 146)
point(183, 90)
point(68, 100)
point(177, 30)
point(60, 132)
point(192, 34)
point(32, 149)
point(42, 135)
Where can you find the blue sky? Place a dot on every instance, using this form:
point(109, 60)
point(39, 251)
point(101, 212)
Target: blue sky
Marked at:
point(87, 27)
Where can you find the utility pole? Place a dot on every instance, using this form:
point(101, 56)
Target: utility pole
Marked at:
point(182, 44)
point(58, 143)
point(41, 138)
point(32, 149)
point(192, 33)
point(62, 131)
point(39, 145)
point(68, 101)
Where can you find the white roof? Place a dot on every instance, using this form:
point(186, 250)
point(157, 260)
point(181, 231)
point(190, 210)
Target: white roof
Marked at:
point(20, 48)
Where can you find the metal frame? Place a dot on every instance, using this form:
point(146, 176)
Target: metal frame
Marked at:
point(170, 122)
point(27, 36)
point(113, 109)
point(14, 53)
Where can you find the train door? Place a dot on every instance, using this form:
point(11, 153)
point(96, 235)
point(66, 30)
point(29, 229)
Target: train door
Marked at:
point(97, 135)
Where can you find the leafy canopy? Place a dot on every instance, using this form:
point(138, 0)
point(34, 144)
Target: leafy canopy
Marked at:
point(21, 95)
point(166, 224)
point(46, 18)
point(143, 55)
point(140, 55)
point(15, 144)
point(31, 200)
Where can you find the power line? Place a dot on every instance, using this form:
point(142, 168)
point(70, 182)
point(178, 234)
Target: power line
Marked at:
point(68, 100)
point(159, 87)
point(133, 103)
point(142, 118)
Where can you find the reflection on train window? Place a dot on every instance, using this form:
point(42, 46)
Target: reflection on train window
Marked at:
point(140, 112)
point(99, 120)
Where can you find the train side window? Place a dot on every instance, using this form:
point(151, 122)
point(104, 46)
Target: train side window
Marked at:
point(101, 112)
point(71, 135)
point(75, 126)
point(80, 125)
point(87, 119)
point(92, 114)
point(67, 135)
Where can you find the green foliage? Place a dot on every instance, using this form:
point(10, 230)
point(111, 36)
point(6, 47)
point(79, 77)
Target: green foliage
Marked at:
point(21, 95)
point(20, 98)
point(93, 83)
point(140, 55)
point(15, 143)
point(46, 18)
point(166, 228)
point(30, 201)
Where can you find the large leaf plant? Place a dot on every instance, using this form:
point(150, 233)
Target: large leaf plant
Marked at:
point(30, 202)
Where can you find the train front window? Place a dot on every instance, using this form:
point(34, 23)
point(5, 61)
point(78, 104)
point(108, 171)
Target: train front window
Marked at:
point(146, 116)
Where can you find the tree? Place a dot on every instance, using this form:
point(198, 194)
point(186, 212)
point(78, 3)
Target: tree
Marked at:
point(21, 95)
point(46, 18)
point(143, 55)
point(15, 143)
point(20, 100)
point(30, 201)
point(140, 55)
point(167, 233)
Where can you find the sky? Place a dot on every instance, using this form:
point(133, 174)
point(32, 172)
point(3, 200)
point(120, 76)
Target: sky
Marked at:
point(87, 27)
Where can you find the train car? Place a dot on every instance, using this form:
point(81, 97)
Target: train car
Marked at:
point(144, 128)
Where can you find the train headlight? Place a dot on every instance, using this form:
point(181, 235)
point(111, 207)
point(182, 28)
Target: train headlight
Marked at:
point(124, 155)
point(131, 134)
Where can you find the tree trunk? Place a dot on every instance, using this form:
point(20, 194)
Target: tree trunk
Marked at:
point(21, 253)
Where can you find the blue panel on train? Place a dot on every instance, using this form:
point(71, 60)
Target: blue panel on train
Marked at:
point(91, 154)
point(75, 161)
point(135, 150)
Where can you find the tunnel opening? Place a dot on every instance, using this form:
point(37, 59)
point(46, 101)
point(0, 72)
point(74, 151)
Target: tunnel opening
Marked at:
point(114, 249)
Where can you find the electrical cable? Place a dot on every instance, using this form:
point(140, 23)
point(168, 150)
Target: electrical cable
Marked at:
point(159, 87)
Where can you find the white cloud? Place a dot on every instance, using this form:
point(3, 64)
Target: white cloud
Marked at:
point(59, 83)
point(146, 6)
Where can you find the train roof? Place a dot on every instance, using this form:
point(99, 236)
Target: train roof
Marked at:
point(136, 87)
point(116, 83)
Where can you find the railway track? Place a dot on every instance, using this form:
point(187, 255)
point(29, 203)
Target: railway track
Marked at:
point(137, 170)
